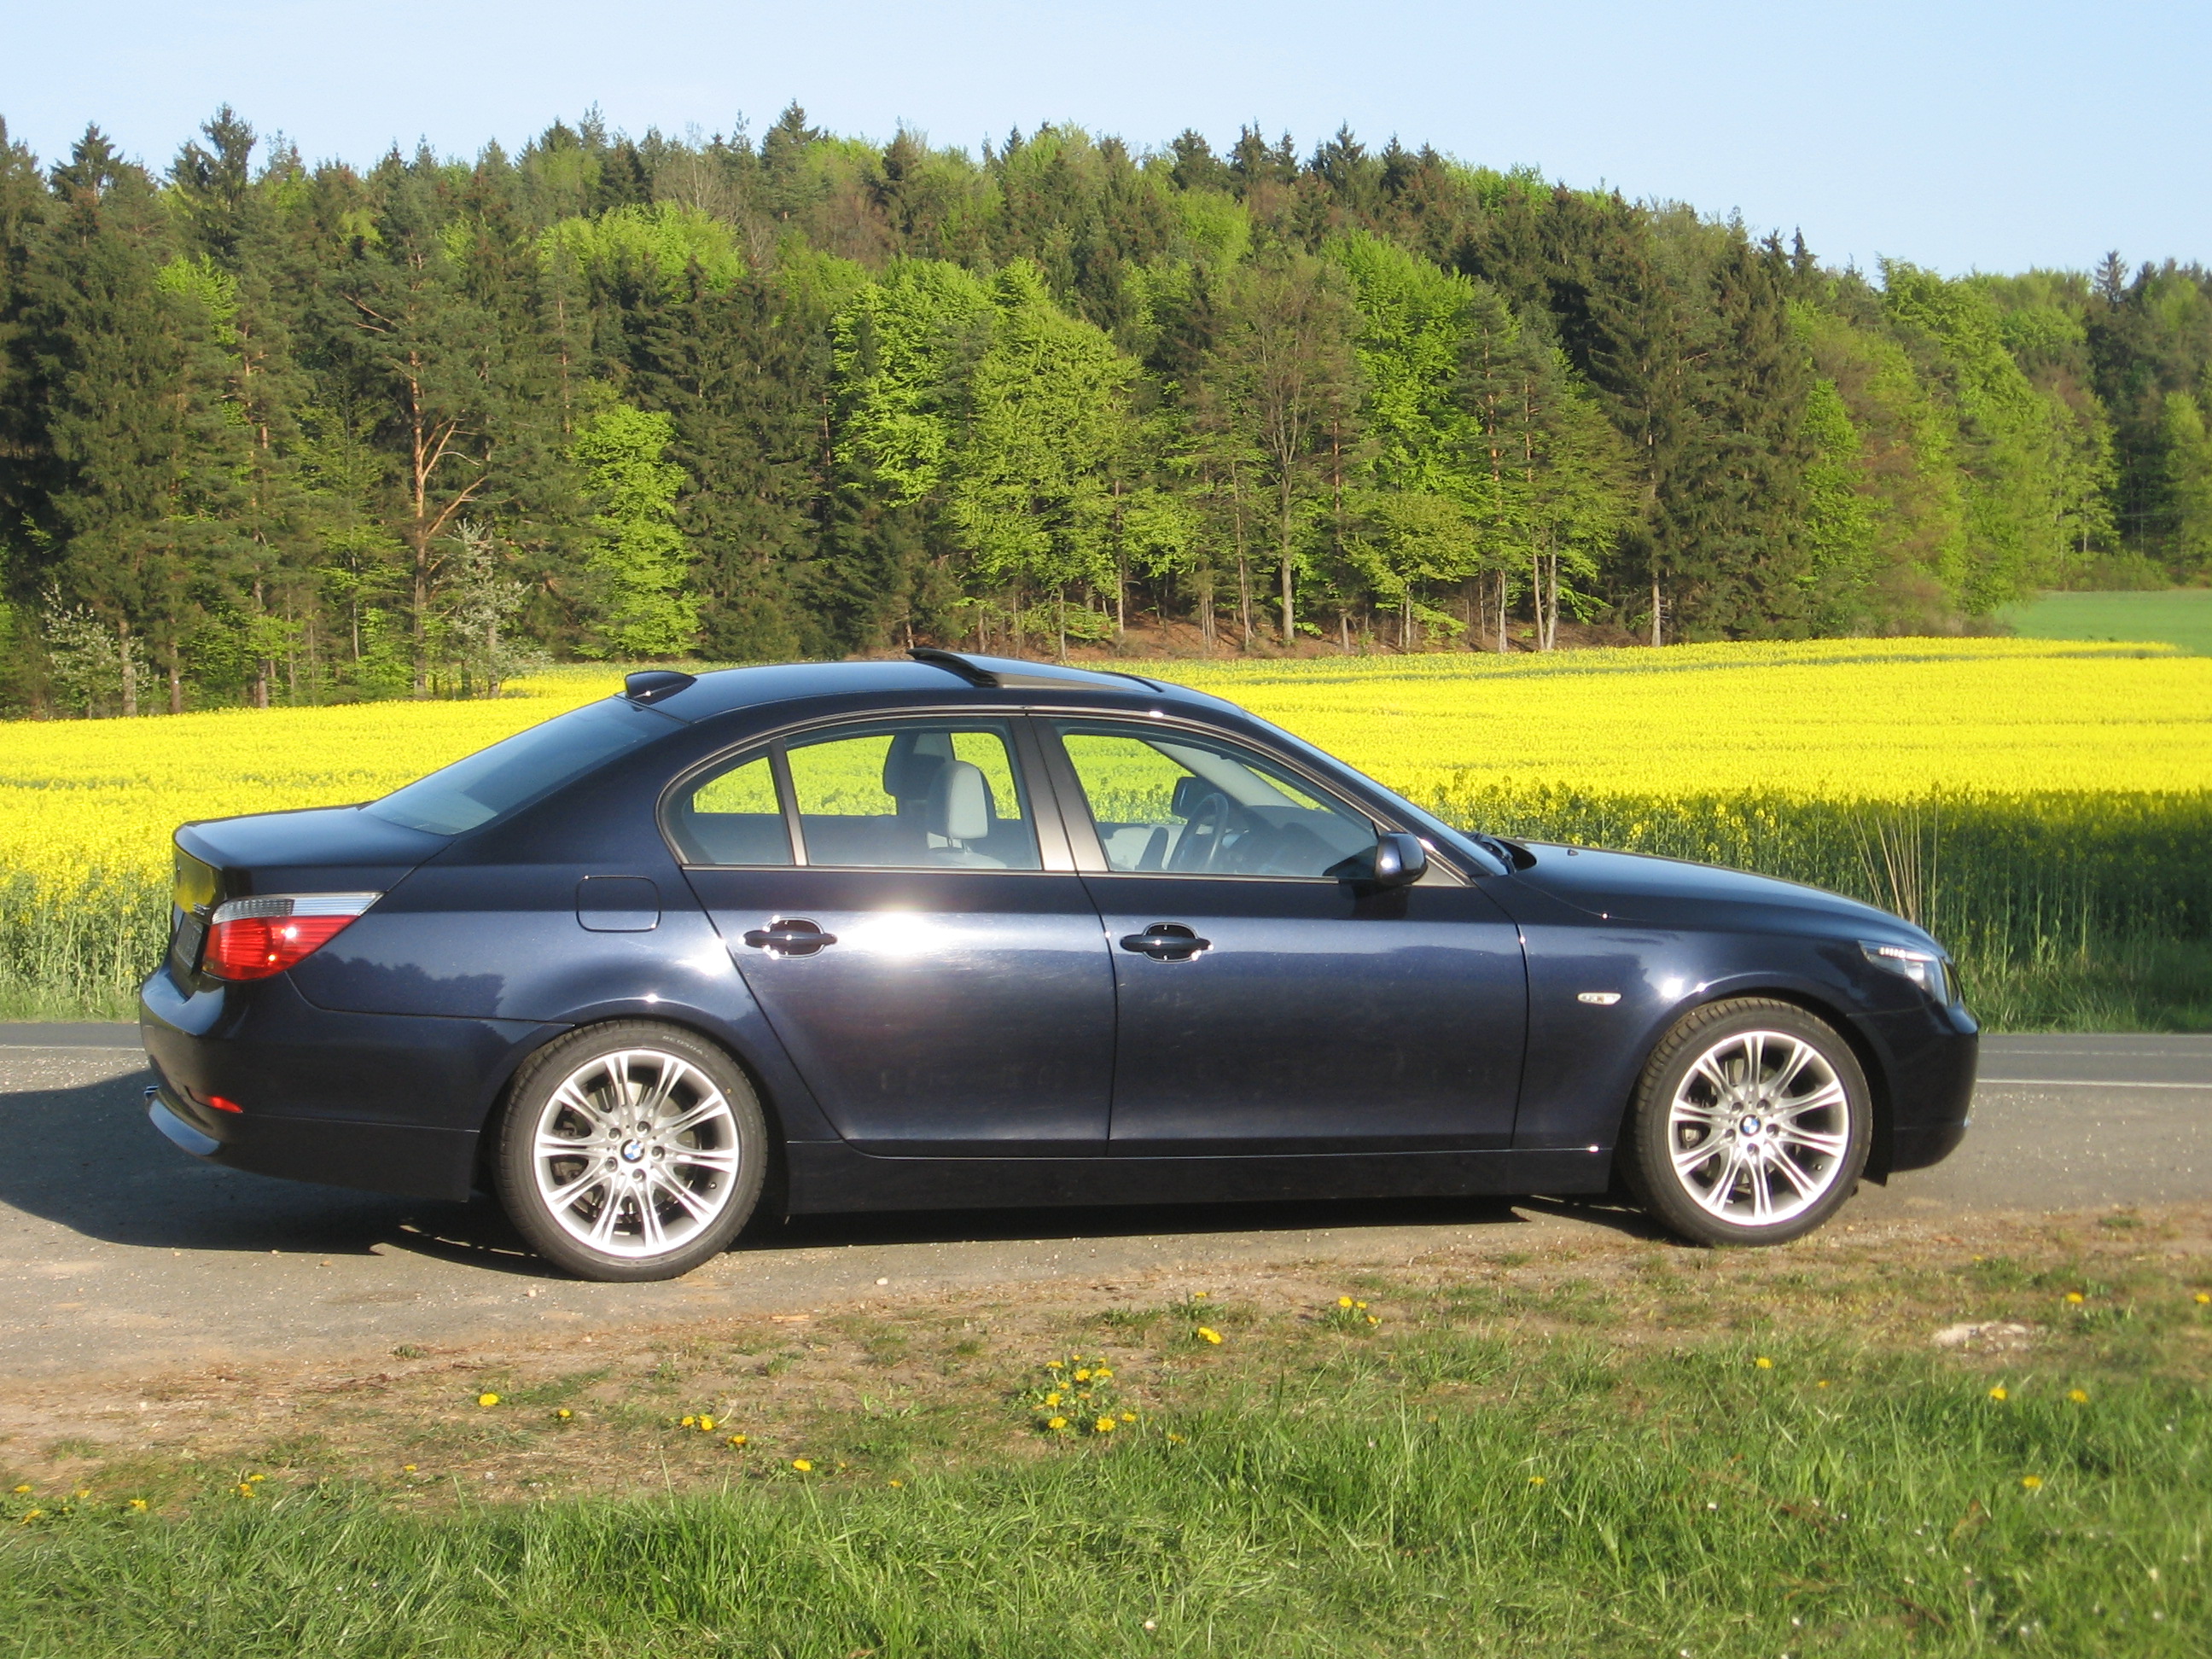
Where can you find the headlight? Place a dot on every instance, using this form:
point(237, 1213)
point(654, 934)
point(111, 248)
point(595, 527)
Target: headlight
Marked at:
point(1928, 969)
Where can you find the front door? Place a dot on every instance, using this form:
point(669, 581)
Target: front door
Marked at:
point(1266, 1004)
point(882, 888)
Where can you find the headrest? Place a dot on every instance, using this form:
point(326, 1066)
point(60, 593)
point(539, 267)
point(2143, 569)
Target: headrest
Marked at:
point(911, 762)
point(960, 805)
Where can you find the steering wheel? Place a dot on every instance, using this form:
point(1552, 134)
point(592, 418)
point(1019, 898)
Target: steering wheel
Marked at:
point(1207, 822)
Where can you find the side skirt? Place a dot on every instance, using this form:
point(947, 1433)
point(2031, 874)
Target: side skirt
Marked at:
point(827, 1178)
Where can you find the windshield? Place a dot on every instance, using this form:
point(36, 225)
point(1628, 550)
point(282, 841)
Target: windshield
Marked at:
point(509, 774)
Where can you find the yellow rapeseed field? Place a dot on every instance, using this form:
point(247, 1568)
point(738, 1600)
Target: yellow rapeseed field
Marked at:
point(1835, 720)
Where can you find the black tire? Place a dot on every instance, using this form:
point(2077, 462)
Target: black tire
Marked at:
point(661, 1145)
point(1709, 1145)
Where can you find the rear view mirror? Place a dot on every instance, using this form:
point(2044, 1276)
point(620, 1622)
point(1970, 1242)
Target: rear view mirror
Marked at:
point(1400, 860)
point(1396, 860)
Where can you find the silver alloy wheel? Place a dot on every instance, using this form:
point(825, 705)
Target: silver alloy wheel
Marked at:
point(1759, 1128)
point(636, 1153)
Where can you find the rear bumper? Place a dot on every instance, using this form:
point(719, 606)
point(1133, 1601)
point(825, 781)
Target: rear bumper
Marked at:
point(390, 1104)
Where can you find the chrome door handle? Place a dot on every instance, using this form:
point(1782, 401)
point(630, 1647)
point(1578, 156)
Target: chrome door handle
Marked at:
point(790, 937)
point(1166, 941)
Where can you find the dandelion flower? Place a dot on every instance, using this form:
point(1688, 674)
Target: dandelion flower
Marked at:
point(2079, 1396)
point(407, 1468)
point(487, 1401)
point(1101, 1374)
point(688, 1422)
point(1536, 1479)
point(734, 1441)
point(2203, 1297)
point(1054, 1365)
point(706, 1425)
point(1207, 1334)
point(1055, 1424)
point(1129, 1416)
point(1103, 1425)
point(1763, 1363)
point(803, 1465)
point(1372, 1320)
point(139, 1505)
point(898, 1483)
point(1174, 1440)
point(20, 1491)
point(1200, 1296)
point(1083, 1376)
point(2032, 1482)
point(245, 1490)
point(1999, 1393)
point(2075, 1296)
point(1822, 1383)
point(27, 1517)
point(83, 1493)
point(1362, 1306)
point(1344, 1302)
point(257, 1477)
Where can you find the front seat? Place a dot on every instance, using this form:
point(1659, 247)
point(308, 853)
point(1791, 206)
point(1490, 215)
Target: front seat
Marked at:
point(959, 811)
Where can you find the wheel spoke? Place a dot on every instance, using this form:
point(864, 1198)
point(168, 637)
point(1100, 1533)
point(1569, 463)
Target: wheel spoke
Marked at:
point(1828, 1095)
point(1800, 1181)
point(1715, 1078)
point(713, 1107)
point(564, 1197)
point(601, 1233)
point(696, 1206)
point(653, 1101)
point(1762, 1194)
point(1800, 1054)
point(653, 1234)
point(1813, 1140)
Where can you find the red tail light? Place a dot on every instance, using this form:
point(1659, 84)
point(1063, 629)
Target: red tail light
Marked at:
point(255, 938)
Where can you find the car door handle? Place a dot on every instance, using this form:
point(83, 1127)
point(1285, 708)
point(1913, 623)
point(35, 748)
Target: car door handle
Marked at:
point(790, 937)
point(1166, 941)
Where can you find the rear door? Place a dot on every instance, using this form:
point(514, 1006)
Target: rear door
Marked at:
point(1265, 1005)
point(914, 929)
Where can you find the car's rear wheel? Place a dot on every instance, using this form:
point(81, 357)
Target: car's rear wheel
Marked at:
point(630, 1151)
point(1750, 1124)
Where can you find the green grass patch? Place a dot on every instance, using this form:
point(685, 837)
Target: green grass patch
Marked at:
point(1637, 1451)
point(2181, 616)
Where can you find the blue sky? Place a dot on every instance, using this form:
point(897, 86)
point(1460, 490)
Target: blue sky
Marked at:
point(1960, 135)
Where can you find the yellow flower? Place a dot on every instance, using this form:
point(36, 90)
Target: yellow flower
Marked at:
point(2074, 1295)
point(139, 1505)
point(1055, 1423)
point(1998, 1393)
point(735, 1441)
point(1052, 1400)
point(803, 1465)
point(1372, 1320)
point(898, 1483)
point(689, 1422)
point(1174, 1440)
point(1101, 1374)
point(407, 1468)
point(257, 1477)
point(1344, 1302)
point(1197, 1296)
point(487, 1401)
point(2032, 1482)
point(1763, 1363)
point(1822, 1383)
point(1083, 1376)
point(706, 1425)
point(245, 1490)
point(1208, 1335)
point(1536, 1479)
point(21, 1490)
point(1054, 1365)
point(1362, 1306)
point(83, 1493)
point(29, 1515)
point(2203, 1297)
point(2079, 1396)
point(1129, 1416)
point(1103, 1425)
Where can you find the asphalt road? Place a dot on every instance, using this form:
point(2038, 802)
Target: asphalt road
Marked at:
point(120, 1254)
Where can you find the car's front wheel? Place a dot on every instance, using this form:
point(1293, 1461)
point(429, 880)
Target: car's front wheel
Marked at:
point(1750, 1124)
point(630, 1151)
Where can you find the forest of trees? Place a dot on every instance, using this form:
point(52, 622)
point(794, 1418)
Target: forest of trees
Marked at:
point(274, 432)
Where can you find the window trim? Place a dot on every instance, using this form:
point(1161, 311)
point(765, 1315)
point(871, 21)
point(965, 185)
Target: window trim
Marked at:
point(1090, 848)
point(1033, 779)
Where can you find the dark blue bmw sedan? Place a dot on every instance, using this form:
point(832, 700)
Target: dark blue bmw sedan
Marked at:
point(963, 930)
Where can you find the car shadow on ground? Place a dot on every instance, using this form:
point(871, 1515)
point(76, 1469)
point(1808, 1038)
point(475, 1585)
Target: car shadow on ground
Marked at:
point(86, 1159)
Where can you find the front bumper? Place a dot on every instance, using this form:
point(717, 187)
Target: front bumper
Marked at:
point(385, 1102)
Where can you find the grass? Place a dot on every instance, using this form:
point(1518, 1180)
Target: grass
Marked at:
point(1624, 1450)
point(2180, 617)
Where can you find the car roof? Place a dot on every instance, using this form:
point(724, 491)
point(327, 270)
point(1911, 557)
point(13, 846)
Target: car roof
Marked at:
point(727, 690)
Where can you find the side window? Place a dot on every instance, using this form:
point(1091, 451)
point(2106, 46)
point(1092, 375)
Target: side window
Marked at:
point(733, 817)
point(1171, 805)
point(914, 795)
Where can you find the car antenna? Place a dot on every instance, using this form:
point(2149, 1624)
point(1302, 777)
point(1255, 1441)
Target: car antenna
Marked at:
point(651, 684)
point(953, 662)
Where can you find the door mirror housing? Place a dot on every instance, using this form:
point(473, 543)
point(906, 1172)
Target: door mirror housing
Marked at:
point(1397, 860)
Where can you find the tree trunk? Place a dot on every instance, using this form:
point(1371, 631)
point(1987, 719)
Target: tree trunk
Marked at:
point(130, 671)
point(1654, 607)
point(176, 690)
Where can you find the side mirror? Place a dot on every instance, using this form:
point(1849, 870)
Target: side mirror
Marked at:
point(1399, 861)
